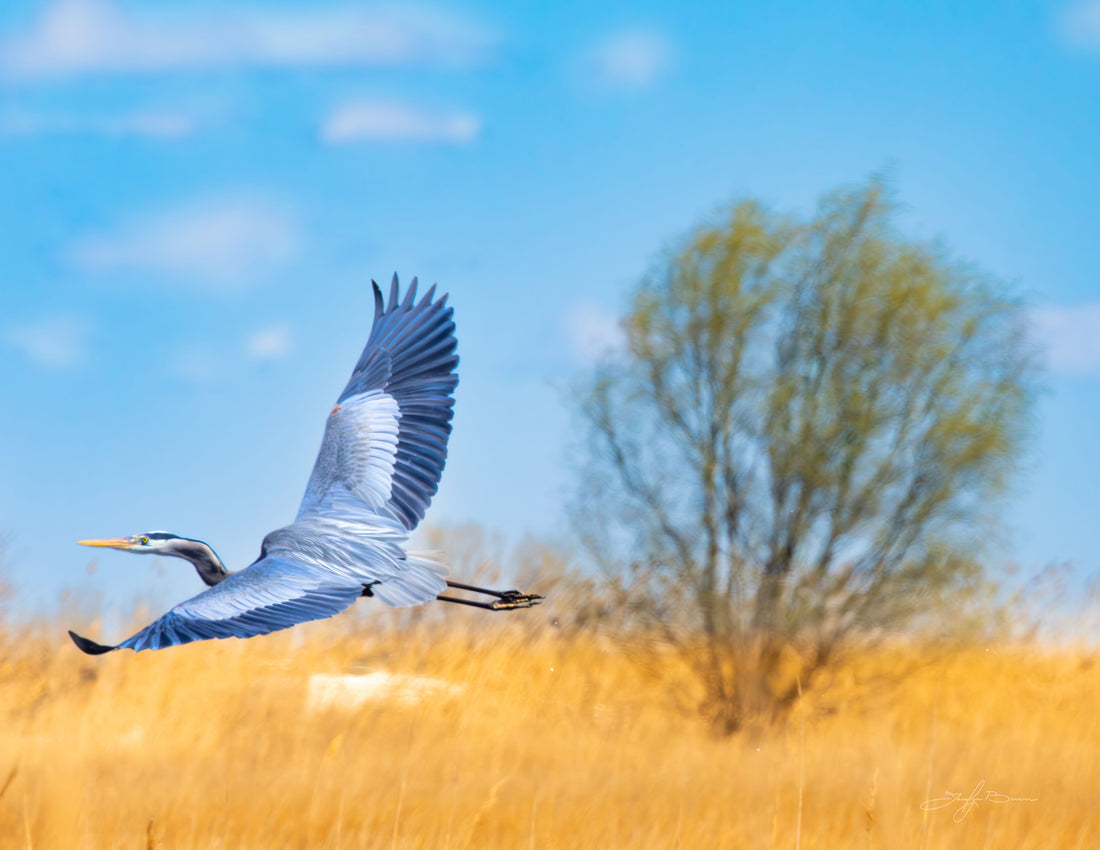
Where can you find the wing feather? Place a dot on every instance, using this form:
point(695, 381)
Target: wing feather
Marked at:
point(272, 594)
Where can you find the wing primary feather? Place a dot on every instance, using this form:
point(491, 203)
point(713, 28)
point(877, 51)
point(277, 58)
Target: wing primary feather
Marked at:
point(90, 647)
point(379, 304)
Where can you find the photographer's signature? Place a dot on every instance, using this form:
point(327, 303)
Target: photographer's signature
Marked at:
point(969, 802)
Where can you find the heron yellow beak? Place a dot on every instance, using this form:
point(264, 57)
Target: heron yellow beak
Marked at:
point(109, 543)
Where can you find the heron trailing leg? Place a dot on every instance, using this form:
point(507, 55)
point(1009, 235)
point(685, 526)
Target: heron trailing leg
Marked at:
point(506, 600)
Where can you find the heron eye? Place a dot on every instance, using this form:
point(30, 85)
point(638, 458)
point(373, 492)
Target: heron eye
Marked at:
point(145, 541)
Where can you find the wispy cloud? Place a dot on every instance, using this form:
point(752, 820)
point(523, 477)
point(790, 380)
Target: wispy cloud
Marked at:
point(1079, 23)
point(213, 363)
point(153, 125)
point(58, 343)
point(200, 365)
point(630, 59)
point(1070, 337)
point(592, 332)
point(220, 244)
point(373, 121)
point(100, 36)
point(271, 343)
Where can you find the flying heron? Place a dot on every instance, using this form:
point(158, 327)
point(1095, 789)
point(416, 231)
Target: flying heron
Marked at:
point(381, 457)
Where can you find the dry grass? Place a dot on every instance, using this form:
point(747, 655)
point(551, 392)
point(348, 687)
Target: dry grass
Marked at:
point(553, 743)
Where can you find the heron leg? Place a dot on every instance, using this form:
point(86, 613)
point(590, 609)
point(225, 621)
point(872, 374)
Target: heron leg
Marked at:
point(500, 594)
point(472, 603)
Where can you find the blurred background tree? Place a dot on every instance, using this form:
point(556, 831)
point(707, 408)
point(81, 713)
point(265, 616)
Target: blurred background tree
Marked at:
point(801, 443)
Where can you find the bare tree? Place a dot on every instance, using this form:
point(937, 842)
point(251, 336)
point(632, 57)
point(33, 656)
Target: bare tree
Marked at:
point(801, 443)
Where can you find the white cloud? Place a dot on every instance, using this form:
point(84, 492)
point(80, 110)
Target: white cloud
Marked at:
point(592, 332)
point(55, 343)
point(631, 59)
point(199, 364)
point(215, 363)
point(154, 125)
point(272, 343)
point(1070, 337)
point(387, 121)
point(221, 244)
point(100, 36)
point(1079, 23)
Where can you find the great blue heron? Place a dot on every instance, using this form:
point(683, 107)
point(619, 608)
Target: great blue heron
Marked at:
point(383, 452)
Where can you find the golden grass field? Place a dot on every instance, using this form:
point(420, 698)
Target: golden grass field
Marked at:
point(552, 742)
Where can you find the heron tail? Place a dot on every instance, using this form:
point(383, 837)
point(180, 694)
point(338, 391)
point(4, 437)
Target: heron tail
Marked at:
point(420, 580)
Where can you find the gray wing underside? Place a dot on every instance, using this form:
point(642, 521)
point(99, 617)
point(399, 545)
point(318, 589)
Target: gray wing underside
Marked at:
point(270, 595)
point(385, 442)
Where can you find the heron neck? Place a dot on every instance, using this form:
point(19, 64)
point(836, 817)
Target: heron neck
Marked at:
point(211, 572)
point(205, 560)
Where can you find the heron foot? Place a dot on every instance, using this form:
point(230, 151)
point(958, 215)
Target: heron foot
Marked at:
point(506, 600)
point(512, 599)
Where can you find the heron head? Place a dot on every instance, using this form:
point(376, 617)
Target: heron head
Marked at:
point(205, 560)
point(150, 543)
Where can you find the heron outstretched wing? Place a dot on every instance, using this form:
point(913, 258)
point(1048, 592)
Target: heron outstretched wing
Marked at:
point(272, 594)
point(385, 441)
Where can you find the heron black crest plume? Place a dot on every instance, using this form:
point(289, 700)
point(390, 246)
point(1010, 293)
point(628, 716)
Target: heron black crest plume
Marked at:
point(379, 465)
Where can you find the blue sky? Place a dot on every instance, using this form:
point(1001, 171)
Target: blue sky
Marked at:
point(195, 196)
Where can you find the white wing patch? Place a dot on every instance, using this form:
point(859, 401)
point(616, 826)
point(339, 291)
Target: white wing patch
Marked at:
point(357, 453)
